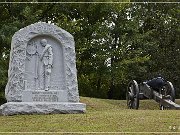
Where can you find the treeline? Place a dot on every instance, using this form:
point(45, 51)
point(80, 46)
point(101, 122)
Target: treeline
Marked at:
point(115, 42)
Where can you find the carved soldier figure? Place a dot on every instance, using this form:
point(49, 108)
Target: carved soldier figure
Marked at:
point(47, 59)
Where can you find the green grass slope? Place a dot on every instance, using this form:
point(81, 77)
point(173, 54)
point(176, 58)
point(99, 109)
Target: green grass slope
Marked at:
point(102, 116)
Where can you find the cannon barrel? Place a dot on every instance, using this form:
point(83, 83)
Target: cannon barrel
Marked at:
point(165, 96)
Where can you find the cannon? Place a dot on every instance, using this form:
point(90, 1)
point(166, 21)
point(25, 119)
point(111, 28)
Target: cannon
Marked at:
point(165, 96)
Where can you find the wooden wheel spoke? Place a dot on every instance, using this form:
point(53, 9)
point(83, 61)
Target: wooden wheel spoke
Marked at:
point(133, 95)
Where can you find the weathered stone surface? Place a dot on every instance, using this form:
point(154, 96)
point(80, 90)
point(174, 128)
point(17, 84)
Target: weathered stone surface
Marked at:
point(13, 108)
point(25, 64)
point(42, 76)
point(45, 96)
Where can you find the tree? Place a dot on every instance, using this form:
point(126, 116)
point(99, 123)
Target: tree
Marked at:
point(115, 43)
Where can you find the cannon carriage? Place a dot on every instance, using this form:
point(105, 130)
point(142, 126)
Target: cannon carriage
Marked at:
point(165, 96)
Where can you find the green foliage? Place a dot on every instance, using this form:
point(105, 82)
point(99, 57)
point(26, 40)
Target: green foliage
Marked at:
point(115, 43)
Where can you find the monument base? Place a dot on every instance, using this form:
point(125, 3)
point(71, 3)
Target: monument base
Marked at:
point(14, 108)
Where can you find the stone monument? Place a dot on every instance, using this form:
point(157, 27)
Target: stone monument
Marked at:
point(42, 76)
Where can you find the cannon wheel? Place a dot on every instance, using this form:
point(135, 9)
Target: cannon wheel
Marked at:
point(132, 95)
point(169, 90)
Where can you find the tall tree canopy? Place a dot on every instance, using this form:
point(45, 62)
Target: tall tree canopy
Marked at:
point(115, 42)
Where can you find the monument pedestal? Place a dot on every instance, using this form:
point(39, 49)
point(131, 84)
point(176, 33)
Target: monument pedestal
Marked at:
point(13, 108)
point(42, 102)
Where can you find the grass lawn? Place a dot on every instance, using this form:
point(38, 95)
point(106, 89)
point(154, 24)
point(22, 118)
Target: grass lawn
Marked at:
point(102, 116)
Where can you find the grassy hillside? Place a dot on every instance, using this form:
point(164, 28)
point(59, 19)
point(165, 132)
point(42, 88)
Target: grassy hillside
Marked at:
point(102, 116)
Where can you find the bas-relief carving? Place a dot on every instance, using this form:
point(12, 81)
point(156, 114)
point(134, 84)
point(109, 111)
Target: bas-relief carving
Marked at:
point(24, 53)
point(47, 59)
point(44, 67)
